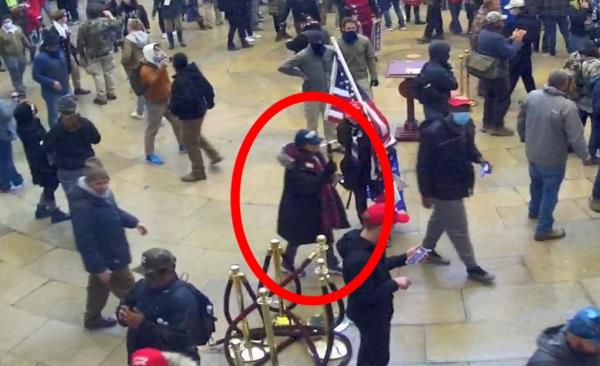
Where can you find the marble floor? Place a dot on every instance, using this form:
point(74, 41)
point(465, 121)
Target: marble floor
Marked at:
point(441, 319)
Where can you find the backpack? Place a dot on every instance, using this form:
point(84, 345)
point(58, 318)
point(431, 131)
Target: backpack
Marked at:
point(136, 81)
point(424, 91)
point(582, 69)
point(590, 71)
point(205, 313)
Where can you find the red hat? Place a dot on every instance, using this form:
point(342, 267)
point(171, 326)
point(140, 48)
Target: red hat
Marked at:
point(148, 357)
point(459, 101)
point(374, 215)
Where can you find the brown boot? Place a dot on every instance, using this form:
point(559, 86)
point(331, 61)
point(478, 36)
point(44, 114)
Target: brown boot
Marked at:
point(193, 177)
point(550, 235)
point(502, 131)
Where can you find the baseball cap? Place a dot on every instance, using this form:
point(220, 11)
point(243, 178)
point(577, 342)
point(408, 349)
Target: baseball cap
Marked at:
point(307, 137)
point(148, 357)
point(515, 4)
point(495, 16)
point(586, 324)
point(374, 215)
point(154, 260)
point(459, 101)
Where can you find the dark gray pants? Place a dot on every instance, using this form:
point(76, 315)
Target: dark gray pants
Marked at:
point(451, 217)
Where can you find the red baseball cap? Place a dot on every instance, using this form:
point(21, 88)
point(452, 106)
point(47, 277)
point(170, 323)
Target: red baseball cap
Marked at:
point(374, 215)
point(459, 101)
point(148, 357)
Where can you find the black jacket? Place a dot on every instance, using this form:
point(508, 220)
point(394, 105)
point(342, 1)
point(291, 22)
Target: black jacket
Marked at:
point(32, 134)
point(554, 7)
point(127, 11)
point(553, 350)
point(357, 173)
point(71, 148)
point(174, 9)
point(98, 227)
point(191, 94)
point(176, 307)
point(438, 72)
point(300, 7)
point(445, 159)
point(373, 300)
point(532, 25)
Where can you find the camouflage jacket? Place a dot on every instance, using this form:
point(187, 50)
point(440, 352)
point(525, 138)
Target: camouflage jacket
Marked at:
point(96, 37)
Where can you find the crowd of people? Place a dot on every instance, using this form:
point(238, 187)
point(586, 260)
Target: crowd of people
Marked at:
point(167, 318)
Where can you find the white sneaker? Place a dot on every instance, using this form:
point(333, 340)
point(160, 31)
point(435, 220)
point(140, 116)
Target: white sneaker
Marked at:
point(257, 36)
point(390, 29)
point(403, 28)
point(249, 39)
point(134, 115)
point(174, 33)
point(164, 35)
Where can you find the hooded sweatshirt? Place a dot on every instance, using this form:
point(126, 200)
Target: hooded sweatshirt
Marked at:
point(154, 77)
point(438, 72)
point(553, 350)
point(373, 300)
point(133, 46)
point(191, 94)
point(549, 123)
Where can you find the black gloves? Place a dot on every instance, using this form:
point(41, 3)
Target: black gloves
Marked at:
point(374, 82)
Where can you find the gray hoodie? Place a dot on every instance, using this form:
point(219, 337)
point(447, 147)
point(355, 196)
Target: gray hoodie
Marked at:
point(553, 350)
point(548, 123)
point(314, 69)
point(8, 126)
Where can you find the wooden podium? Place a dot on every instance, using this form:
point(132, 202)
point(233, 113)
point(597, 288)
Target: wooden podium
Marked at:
point(407, 70)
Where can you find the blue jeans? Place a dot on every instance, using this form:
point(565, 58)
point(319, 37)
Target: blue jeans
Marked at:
point(51, 99)
point(16, 68)
point(455, 26)
point(399, 13)
point(8, 173)
point(544, 187)
point(550, 22)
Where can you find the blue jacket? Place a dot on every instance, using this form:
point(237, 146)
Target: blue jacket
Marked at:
point(98, 226)
point(7, 122)
point(494, 44)
point(49, 67)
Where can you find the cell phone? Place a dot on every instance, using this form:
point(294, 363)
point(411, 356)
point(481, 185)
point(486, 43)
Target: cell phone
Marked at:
point(486, 168)
point(418, 255)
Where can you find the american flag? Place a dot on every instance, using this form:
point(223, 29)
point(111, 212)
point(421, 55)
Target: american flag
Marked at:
point(341, 86)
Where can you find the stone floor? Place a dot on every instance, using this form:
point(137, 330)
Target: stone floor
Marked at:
point(441, 319)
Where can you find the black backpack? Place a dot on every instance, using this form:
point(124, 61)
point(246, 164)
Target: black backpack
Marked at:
point(136, 81)
point(206, 315)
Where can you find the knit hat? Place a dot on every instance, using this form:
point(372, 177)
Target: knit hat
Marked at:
point(50, 39)
point(148, 357)
point(94, 170)
point(67, 104)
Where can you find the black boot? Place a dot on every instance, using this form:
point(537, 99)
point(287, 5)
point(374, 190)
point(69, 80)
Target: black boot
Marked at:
point(42, 212)
point(232, 47)
point(180, 38)
point(59, 216)
point(245, 44)
point(171, 40)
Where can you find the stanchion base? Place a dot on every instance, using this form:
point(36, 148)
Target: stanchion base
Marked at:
point(338, 351)
point(343, 325)
point(408, 132)
point(252, 354)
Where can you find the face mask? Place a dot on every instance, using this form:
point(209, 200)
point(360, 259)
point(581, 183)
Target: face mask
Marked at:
point(514, 11)
point(349, 37)
point(318, 48)
point(159, 57)
point(461, 118)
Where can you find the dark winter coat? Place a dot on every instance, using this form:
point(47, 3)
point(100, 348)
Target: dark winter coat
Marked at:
point(177, 306)
point(577, 18)
point(373, 300)
point(66, 47)
point(191, 94)
point(174, 9)
point(130, 11)
point(49, 67)
point(32, 134)
point(98, 227)
point(445, 159)
point(357, 172)
point(300, 217)
point(71, 148)
point(553, 350)
point(553, 7)
point(438, 72)
point(532, 25)
point(494, 44)
point(299, 7)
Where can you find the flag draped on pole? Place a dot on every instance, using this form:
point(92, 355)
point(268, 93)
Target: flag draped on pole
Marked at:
point(344, 86)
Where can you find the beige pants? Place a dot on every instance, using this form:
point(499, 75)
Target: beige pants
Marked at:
point(75, 75)
point(121, 282)
point(102, 70)
point(173, 24)
point(154, 114)
point(313, 111)
point(194, 143)
point(365, 85)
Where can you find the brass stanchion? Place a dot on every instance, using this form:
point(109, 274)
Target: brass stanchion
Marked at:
point(265, 305)
point(281, 319)
point(322, 246)
point(462, 74)
point(468, 80)
point(249, 352)
point(236, 344)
